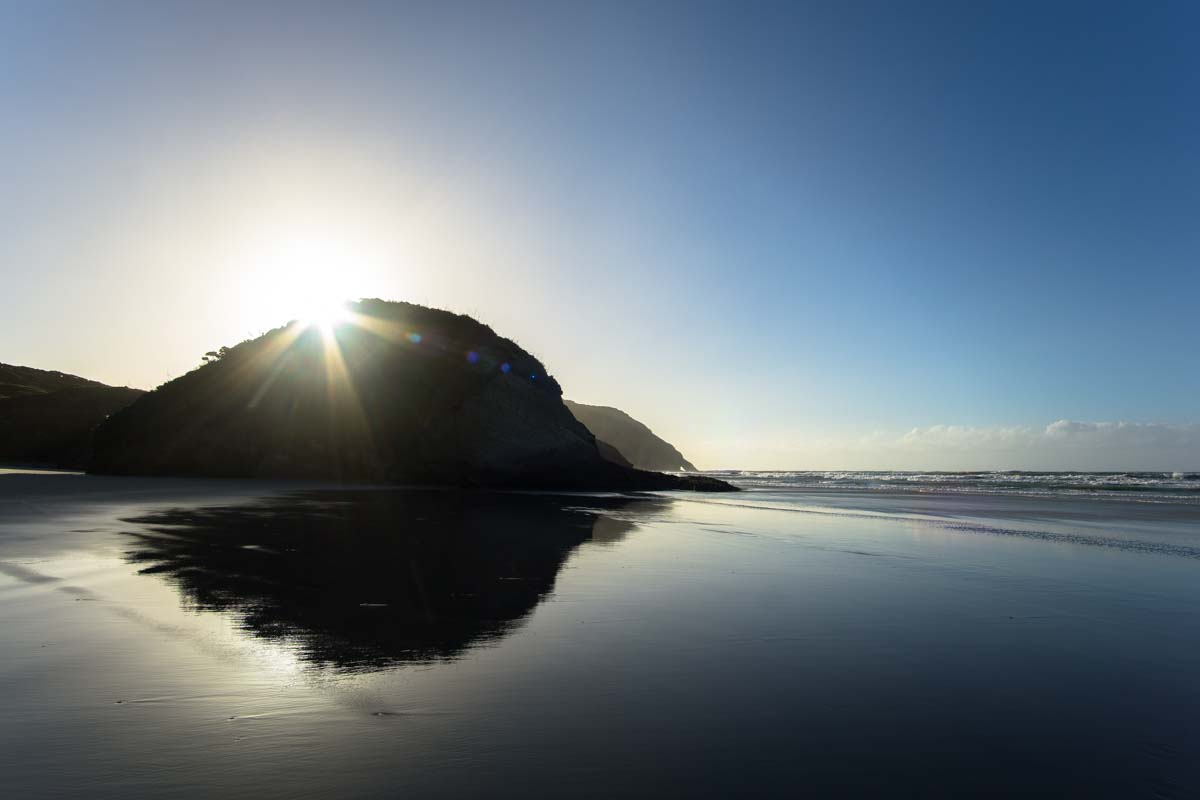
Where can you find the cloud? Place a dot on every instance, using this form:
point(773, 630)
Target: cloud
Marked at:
point(1065, 444)
point(1061, 445)
point(1125, 434)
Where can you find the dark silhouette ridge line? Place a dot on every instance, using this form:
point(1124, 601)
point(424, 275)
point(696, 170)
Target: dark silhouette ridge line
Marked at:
point(18, 381)
point(399, 394)
point(47, 418)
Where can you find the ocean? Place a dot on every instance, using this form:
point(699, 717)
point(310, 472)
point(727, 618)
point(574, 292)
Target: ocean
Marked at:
point(1170, 487)
point(830, 634)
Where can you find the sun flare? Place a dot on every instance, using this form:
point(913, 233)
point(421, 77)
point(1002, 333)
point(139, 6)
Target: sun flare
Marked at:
point(304, 278)
point(323, 312)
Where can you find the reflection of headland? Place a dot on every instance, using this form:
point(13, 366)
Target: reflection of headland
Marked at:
point(610, 530)
point(369, 579)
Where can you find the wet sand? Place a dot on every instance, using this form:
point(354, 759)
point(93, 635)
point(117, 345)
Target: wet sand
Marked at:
point(170, 638)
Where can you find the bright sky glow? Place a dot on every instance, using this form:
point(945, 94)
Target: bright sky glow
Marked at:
point(784, 235)
point(300, 277)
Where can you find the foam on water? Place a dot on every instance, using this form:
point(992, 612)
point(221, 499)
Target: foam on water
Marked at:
point(1172, 487)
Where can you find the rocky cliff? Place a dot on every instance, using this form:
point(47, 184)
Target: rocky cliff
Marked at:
point(632, 439)
point(398, 393)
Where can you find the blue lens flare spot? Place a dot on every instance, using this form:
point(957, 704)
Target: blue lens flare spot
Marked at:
point(533, 377)
point(415, 338)
point(473, 357)
point(505, 367)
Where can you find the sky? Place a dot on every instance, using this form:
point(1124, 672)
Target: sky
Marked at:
point(799, 235)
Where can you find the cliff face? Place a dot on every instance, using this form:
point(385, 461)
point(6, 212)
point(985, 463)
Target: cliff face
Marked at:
point(398, 393)
point(48, 418)
point(633, 440)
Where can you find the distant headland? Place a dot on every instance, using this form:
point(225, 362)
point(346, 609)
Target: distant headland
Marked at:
point(632, 439)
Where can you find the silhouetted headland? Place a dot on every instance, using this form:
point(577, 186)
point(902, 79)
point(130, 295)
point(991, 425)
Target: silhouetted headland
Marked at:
point(636, 443)
point(47, 418)
point(398, 393)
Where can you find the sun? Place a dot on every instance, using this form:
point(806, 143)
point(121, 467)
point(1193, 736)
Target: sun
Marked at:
point(324, 312)
point(304, 278)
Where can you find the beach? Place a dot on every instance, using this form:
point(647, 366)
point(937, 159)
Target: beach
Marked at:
point(186, 638)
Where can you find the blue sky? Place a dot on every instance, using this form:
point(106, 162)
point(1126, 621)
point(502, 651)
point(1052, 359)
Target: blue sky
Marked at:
point(784, 235)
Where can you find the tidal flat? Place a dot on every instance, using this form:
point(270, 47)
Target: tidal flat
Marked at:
point(187, 638)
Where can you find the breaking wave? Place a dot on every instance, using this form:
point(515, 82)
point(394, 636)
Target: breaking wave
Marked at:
point(1149, 486)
